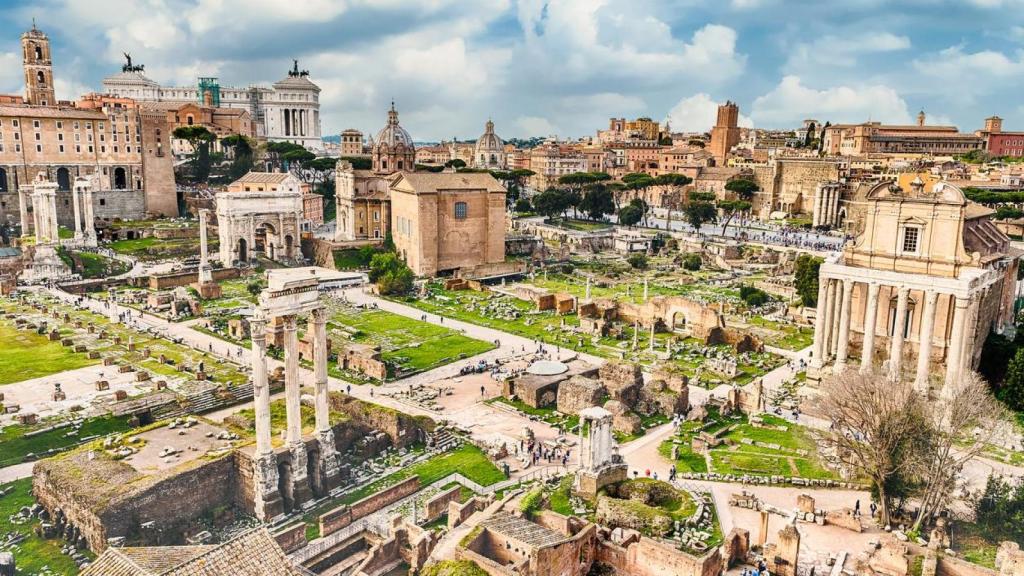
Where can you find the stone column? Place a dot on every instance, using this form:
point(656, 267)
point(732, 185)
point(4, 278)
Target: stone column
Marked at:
point(818, 352)
point(844, 327)
point(260, 385)
point(924, 347)
point(896, 347)
point(834, 207)
point(328, 465)
point(24, 199)
point(816, 217)
point(267, 496)
point(653, 323)
point(293, 436)
point(956, 344)
point(75, 199)
point(830, 308)
point(37, 212)
point(971, 332)
point(89, 214)
point(205, 272)
point(870, 321)
point(51, 216)
point(837, 300)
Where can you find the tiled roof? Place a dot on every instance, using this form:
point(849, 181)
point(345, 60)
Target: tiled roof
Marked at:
point(262, 178)
point(254, 553)
point(438, 181)
point(26, 111)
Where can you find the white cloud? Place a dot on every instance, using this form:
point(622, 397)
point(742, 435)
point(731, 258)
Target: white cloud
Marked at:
point(790, 102)
point(698, 113)
point(830, 51)
point(12, 78)
point(535, 126)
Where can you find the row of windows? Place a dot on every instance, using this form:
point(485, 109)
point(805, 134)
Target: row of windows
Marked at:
point(78, 149)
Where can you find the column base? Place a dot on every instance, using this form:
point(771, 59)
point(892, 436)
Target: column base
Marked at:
point(301, 490)
point(328, 467)
point(267, 501)
point(839, 367)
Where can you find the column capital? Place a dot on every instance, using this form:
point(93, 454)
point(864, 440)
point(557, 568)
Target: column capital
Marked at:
point(902, 291)
point(290, 324)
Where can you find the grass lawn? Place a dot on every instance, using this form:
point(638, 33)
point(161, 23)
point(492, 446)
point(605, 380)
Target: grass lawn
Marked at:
point(25, 355)
point(467, 460)
point(34, 554)
point(795, 454)
point(582, 225)
point(15, 445)
point(407, 345)
point(152, 248)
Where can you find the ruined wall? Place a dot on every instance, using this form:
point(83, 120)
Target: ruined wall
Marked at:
point(175, 279)
point(319, 251)
point(438, 505)
point(648, 557)
point(403, 429)
point(291, 539)
point(570, 558)
point(344, 515)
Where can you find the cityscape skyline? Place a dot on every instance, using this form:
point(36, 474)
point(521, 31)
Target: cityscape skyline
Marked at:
point(559, 68)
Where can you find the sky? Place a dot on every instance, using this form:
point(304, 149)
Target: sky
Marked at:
point(558, 67)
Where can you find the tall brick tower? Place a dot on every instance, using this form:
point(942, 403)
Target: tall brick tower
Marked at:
point(35, 47)
point(726, 133)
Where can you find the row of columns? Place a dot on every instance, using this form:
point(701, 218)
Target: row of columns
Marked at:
point(826, 205)
point(833, 325)
point(295, 121)
point(81, 195)
point(268, 497)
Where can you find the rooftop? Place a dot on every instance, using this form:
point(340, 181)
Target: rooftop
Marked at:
point(522, 530)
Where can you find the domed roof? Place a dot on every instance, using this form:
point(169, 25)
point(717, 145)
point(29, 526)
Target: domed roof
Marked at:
point(393, 134)
point(489, 141)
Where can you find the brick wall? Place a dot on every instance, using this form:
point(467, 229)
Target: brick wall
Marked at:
point(167, 281)
point(438, 505)
point(342, 516)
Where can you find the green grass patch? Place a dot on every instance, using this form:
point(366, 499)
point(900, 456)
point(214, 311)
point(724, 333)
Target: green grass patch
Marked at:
point(15, 445)
point(25, 355)
point(34, 554)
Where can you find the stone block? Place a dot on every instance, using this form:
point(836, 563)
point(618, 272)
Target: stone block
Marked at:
point(102, 385)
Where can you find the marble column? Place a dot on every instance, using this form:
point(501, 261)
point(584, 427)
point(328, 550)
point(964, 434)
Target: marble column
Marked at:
point(328, 465)
point(898, 335)
point(75, 199)
point(956, 344)
point(54, 229)
point(300, 491)
point(260, 385)
point(870, 325)
point(205, 272)
point(818, 352)
point(924, 347)
point(816, 214)
point(844, 327)
point(971, 332)
point(89, 213)
point(653, 322)
point(834, 207)
point(24, 199)
point(837, 301)
point(291, 380)
point(267, 497)
point(830, 307)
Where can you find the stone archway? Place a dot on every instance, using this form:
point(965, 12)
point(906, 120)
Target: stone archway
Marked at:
point(63, 179)
point(243, 250)
point(120, 179)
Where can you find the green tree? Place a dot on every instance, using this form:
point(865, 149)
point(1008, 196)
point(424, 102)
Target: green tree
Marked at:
point(199, 138)
point(242, 156)
point(550, 203)
point(523, 205)
point(743, 188)
point(730, 208)
point(699, 213)
point(637, 260)
point(805, 273)
point(697, 196)
point(1012, 390)
point(676, 183)
point(390, 273)
point(639, 182)
point(821, 137)
point(254, 287)
point(455, 163)
point(597, 201)
point(630, 215)
point(809, 136)
point(692, 262)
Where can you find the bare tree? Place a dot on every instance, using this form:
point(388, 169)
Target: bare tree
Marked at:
point(962, 422)
point(876, 427)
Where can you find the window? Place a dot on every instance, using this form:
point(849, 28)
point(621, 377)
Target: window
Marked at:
point(60, 148)
point(60, 125)
point(376, 216)
point(76, 125)
point(35, 123)
point(103, 201)
point(39, 147)
point(911, 238)
point(460, 210)
point(15, 122)
point(60, 137)
point(38, 137)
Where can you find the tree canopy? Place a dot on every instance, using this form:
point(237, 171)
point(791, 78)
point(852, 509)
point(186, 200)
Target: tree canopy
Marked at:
point(743, 188)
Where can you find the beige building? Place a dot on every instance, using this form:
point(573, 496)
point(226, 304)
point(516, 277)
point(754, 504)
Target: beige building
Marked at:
point(351, 142)
point(125, 146)
point(443, 222)
point(551, 160)
point(919, 288)
point(878, 138)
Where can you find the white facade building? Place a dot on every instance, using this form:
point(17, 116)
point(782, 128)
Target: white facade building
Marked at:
point(288, 111)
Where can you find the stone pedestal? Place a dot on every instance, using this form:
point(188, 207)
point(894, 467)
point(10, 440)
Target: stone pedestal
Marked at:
point(328, 467)
point(207, 290)
point(589, 483)
point(267, 498)
point(301, 490)
point(47, 265)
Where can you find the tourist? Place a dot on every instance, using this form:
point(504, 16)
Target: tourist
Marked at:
point(874, 508)
point(856, 509)
point(481, 390)
point(647, 472)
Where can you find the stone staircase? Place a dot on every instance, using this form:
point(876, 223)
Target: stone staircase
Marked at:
point(204, 401)
point(445, 440)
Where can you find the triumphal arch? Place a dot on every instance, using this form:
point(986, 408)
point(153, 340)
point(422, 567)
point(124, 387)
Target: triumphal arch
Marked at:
point(284, 483)
point(264, 223)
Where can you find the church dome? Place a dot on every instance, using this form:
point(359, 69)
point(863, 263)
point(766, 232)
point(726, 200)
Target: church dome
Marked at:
point(393, 134)
point(489, 141)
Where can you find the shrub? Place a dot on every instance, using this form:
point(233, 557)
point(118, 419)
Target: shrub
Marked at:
point(754, 296)
point(637, 260)
point(532, 502)
point(692, 262)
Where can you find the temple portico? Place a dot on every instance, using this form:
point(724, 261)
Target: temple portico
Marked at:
point(280, 487)
point(919, 288)
point(933, 315)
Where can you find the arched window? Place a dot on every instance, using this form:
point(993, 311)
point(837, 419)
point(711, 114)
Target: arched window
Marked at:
point(63, 179)
point(460, 210)
point(3, 180)
point(40, 78)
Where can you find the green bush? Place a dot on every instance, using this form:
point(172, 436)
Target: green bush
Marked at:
point(754, 296)
point(637, 260)
point(453, 568)
point(532, 502)
point(692, 262)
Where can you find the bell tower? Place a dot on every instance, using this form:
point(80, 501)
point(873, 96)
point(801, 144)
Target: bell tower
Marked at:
point(35, 47)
